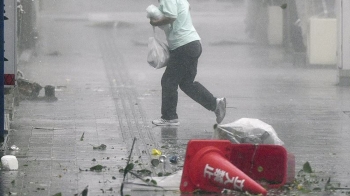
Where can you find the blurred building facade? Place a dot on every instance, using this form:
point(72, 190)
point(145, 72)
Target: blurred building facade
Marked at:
point(27, 24)
point(300, 20)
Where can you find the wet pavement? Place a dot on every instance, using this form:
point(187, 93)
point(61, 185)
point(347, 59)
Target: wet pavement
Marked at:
point(95, 56)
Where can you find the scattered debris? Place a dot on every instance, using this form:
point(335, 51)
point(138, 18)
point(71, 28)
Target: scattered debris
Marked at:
point(50, 93)
point(144, 172)
point(162, 182)
point(173, 159)
point(60, 88)
point(160, 174)
point(84, 192)
point(97, 168)
point(152, 181)
point(307, 167)
point(82, 169)
point(82, 137)
point(128, 168)
point(162, 159)
point(284, 6)
point(54, 53)
point(100, 147)
point(156, 152)
point(312, 182)
point(48, 128)
point(20, 74)
point(155, 162)
point(14, 148)
point(28, 89)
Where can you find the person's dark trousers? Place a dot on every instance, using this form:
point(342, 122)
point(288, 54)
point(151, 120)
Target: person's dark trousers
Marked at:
point(181, 71)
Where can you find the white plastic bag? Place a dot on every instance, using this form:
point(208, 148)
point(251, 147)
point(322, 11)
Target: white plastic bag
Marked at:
point(154, 12)
point(158, 52)
point(164, 183)
point(247, 130)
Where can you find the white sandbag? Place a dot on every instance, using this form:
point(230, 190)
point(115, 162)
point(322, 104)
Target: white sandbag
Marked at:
point(247, 130)
point(9, 162)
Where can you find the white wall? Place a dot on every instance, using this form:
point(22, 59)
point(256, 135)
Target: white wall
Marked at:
point(322, 41)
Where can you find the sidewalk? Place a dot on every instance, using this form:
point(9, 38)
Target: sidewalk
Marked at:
point(107, 94)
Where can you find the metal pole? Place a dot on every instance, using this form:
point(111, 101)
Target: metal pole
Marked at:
point(2, 42)
point(343, 16)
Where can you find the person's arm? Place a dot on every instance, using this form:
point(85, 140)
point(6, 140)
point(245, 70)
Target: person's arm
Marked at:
point(163, 21)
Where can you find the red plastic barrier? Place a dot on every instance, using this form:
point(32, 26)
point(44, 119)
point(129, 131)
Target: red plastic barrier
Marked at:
point(214, 165)
point(264, 163)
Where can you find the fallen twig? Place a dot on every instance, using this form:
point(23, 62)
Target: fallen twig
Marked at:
point(128, 167)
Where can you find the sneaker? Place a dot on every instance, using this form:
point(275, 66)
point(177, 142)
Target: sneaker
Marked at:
point(163, 122)
point(220, 110)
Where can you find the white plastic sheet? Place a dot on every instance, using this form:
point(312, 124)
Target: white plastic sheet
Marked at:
point(165, 183)
point(247, 130)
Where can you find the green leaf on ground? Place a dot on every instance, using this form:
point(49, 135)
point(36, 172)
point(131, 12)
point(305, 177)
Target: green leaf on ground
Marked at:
point(328, 185)
point(284, 6)
point(58, 194)
point(100, 147)
point(167, 174)
point(82, 137)
point(97, 168)
point(129, 167)
point(154, 182)
point(307, 167)
point(145, 172)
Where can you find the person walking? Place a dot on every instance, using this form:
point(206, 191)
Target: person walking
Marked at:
point(185, 49)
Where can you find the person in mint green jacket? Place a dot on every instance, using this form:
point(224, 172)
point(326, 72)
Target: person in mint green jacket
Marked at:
point(185, 49)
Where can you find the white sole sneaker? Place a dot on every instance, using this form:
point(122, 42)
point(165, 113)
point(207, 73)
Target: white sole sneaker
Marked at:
point(163, 122)
point(220, 110)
